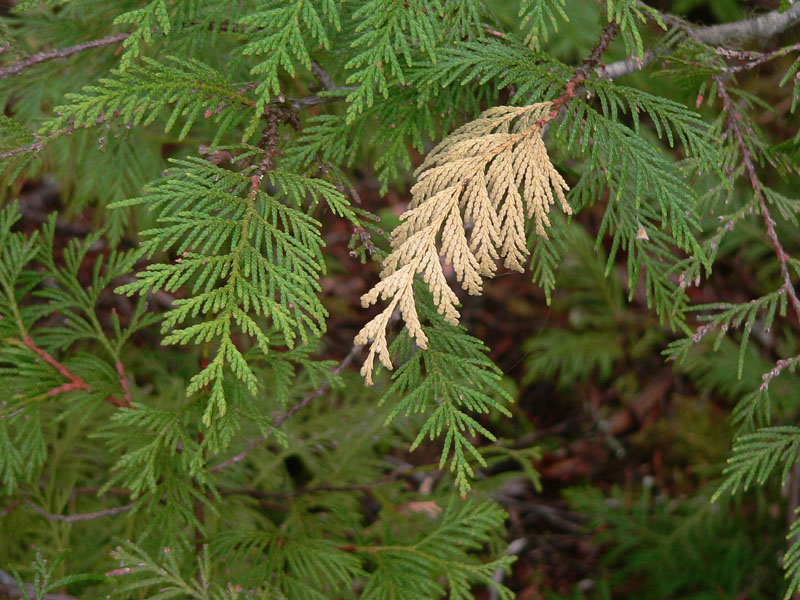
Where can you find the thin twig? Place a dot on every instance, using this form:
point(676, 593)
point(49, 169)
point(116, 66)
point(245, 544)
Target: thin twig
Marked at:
point(10, 589)
point(733, 120)
point(41, 140)
point(40, 57)
point(280, 419)
point(75, 382)
point(123, 382)
point(108, 512)
point(751, 60)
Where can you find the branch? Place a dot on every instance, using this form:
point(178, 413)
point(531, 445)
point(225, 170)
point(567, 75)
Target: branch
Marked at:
point(324, 78)
point(123, 382)
point(750, 60)
point(9, 588)
point(42, 140)
point(734, 119)
point(280, 419)
point(108, 512)
point(581, 73)
point(763, 26)
point(327, 83)
point(766, 25)
point(75, 382)
point(40, 57)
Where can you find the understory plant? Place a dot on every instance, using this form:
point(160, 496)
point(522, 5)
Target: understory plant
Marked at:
point(184, 204)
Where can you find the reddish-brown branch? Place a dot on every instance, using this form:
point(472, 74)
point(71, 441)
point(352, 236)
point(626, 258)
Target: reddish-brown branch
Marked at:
point(734, 125)
point(751, 60)
point(582, 72)
point(75, 382)
point(123, 382)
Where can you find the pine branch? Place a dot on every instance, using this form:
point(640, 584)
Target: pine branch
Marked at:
point(734, 119)
point(40, 57)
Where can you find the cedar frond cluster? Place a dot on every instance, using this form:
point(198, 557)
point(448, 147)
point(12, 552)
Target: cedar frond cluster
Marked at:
point(468, 206)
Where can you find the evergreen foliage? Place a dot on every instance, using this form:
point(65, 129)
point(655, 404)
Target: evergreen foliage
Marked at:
point(173, 423)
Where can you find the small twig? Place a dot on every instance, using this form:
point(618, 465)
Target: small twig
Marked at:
point(280, 419)
point(10, 589)
point(199, 512)
point(753, 59)
point(299, 104)
point(733, 120)
point(40, 57)
point(780, 366)
point(108, 512)
point(320, 390)
point(75, 382)
point(123, 382)
point(40, 140)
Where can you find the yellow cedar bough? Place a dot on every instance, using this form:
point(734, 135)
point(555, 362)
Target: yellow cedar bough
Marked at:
point(491, 172)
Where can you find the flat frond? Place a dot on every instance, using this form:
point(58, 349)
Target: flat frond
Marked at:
point(493, 173)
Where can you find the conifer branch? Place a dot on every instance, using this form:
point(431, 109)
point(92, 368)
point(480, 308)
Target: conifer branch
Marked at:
point(478, 169)
point(764, 26)
point(319, 489)
point(733, 120)
point(751, 60)
point(581, 73)
point(40, 57)
point(76, 382)
point(40, 140)
point(123, 382)
point(108, 512)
